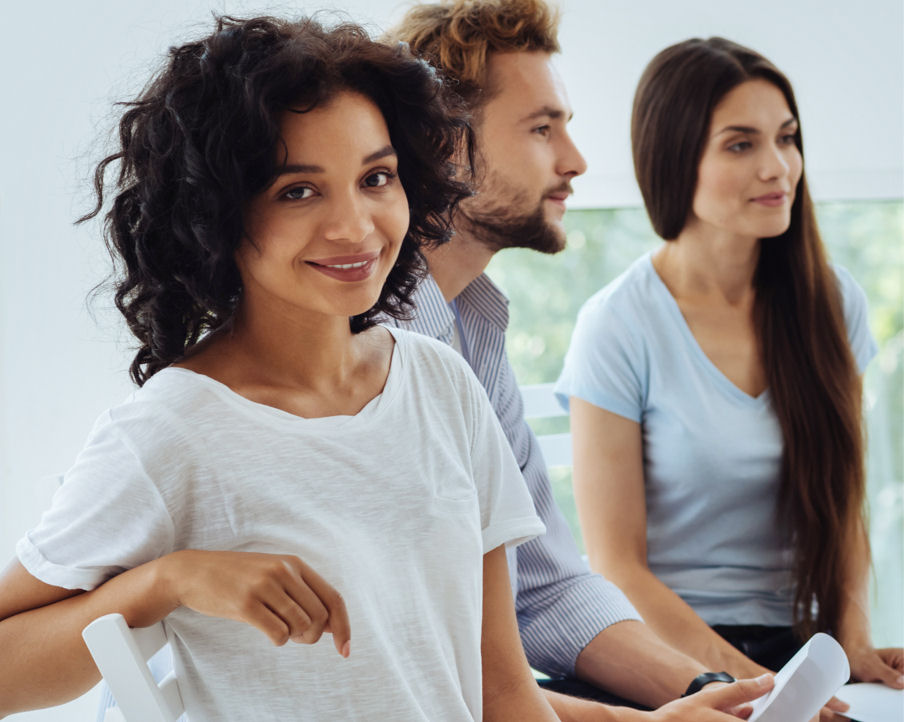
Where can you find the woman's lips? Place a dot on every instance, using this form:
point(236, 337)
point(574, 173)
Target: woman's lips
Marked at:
point(772, 199)
point(346, 268)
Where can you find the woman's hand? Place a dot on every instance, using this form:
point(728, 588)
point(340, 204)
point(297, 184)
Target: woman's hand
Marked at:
point(868, 665)
point(877, 665)
point(278, 594)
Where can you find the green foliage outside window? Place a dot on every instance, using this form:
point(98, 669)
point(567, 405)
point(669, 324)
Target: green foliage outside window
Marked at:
point(867, 238)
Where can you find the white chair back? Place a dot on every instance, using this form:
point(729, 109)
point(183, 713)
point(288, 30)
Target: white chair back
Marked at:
point(121, 654)
point(541, 403)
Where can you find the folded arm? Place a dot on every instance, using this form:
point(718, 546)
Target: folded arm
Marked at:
point(46, 662)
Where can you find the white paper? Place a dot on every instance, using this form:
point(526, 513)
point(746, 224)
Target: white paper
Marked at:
point(873, 702)
point(805, 684)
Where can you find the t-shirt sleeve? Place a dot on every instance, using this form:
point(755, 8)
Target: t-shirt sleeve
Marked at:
point(605, 363)
point(507, 513)
point(106, 517)
point(856, 318)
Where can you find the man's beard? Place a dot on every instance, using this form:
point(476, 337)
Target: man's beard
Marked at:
point(501, 224)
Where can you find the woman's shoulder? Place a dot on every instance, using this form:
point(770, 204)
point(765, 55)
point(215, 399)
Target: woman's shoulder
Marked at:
point(427, 363)
point(170, 404)
point(855, 308)
point(627, 303)
point(852, 293)
point(423, 349)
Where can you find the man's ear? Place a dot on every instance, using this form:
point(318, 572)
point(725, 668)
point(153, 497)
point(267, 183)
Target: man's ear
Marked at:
point(469, 164)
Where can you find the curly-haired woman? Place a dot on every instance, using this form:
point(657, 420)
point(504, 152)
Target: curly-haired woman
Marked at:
point(287, 468)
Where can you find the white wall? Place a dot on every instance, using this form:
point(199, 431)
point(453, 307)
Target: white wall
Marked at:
point(63, 68)
point(845, 60)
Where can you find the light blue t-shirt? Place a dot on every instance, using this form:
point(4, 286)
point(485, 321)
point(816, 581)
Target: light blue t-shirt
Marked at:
point(711, 451)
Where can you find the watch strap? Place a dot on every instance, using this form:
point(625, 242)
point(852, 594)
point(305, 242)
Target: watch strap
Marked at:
point(701, 680)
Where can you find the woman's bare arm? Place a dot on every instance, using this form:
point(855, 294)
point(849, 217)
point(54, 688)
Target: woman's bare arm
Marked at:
point(509, 689)
point(46, 663)
point(868, 664)
point(609, 491)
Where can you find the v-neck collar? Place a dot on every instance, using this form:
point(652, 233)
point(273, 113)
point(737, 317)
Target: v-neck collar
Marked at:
point(668, 301)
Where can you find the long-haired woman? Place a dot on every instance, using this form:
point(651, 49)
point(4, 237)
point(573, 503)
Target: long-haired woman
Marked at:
point(287, 468)
point(715, 386)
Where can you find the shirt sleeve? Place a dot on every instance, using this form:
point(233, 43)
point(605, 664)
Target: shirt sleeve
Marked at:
point(561, 604)
point(856, 319)
point(605, 364)
point(106, 517)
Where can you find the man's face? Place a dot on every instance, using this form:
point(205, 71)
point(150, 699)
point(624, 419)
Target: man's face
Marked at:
point(526, 159)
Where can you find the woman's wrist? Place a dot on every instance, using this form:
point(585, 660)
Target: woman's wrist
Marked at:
point(169, 574)
point(154, 590)
point(854, 633)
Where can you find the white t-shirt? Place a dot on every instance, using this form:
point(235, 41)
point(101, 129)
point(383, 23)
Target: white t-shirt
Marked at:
point(394, 506)
point(711, 453)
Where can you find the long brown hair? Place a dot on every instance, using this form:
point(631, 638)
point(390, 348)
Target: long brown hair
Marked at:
point(812, 378)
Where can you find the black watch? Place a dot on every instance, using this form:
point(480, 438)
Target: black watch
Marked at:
point(701, 680)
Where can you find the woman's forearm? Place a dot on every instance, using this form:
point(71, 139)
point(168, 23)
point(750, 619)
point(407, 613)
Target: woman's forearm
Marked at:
point(853, 623)
point(677, 624)
point(44, 659)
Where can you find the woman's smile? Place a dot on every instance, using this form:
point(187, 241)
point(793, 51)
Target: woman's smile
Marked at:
point(347, 268)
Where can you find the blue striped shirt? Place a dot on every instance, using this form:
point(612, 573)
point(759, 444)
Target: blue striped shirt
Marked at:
point(561, 605)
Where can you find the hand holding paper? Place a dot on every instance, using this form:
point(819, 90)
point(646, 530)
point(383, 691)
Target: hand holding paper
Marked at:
point(805, 684)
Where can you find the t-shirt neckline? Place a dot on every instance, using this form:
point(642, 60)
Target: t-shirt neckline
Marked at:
point(691, 342)
point(271, 414)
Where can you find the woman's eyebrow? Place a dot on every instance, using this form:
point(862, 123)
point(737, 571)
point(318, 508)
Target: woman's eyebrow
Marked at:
point(385, 151)
point(290, 168)
point(751, 130)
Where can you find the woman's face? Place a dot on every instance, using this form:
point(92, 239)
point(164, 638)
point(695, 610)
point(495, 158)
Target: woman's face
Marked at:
point(750, 167)
point(324, 236)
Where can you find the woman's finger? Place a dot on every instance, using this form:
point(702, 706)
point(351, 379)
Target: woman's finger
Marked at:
point(302, 597)
point(261, 617)
point(336, 615)
point(894, 658)
point(890, 676)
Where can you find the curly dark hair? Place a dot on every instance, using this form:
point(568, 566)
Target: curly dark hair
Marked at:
point(204, 137)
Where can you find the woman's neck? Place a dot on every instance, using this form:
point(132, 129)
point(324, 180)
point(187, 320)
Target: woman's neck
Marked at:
point(310, 365)
point(314, 352)
point(709, 267)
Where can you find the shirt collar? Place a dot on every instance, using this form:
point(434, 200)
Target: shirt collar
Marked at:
point(486, 299)
point(434, 318)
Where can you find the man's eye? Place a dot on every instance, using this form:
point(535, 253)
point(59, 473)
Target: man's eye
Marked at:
point(542, 129)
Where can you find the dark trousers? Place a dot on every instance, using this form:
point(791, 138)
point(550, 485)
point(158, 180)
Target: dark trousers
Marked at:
point(576, 688)
point(771, 647)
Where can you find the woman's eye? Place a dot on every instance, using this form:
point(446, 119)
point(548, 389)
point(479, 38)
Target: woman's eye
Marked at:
point(788, 139)
point(740, 146)
point(380, 178)
point(299, 193)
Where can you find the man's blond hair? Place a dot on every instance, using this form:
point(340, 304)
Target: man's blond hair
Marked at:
point(456, 36)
